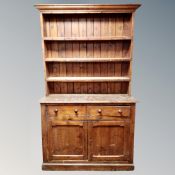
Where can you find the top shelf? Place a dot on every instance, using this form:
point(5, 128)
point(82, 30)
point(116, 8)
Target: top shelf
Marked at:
point(87, 38)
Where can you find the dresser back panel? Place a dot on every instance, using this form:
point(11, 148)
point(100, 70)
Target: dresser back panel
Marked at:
point(88, 88)
point(56, 25)
point(87, 49)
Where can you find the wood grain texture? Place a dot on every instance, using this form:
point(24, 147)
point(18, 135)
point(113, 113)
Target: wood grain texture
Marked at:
point(108, 140)
point(68, 140)
point(68, 52)
point(44, 121)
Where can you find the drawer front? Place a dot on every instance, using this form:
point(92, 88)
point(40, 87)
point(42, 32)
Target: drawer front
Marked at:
point(105, 112)
point(67, 112)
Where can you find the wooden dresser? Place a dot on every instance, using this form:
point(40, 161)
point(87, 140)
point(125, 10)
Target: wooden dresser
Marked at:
point(88, 112)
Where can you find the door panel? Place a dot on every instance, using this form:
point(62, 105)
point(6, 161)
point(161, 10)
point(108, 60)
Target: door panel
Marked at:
point(109, 140)
point(67, 140)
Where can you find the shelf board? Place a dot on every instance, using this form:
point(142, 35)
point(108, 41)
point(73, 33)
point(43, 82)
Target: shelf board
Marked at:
point(88, 98)
point(88, 79)
point(105, 38)
point(86, 59)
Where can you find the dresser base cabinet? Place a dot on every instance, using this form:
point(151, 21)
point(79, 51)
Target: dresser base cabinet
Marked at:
point(87, 136)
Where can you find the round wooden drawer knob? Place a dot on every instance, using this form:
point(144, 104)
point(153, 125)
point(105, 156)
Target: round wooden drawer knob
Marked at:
point(120, 111)
point(76, 111)
point(99, 111)
point(56, 110)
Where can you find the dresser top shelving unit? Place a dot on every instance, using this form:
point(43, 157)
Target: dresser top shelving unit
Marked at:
point(87, 51)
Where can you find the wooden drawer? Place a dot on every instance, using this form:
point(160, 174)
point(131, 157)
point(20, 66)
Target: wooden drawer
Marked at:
point(97, 112)
point(67, 112)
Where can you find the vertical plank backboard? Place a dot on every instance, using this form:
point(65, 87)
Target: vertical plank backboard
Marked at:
point(119, 25)
point(104, 51)
point(97, 54)
point(90, 51)
point(68, 53)
point(76, 51)
point(83, 66)
point(111, 54)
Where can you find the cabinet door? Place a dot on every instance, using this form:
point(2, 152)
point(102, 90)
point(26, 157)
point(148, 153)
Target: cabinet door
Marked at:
point(67, 140)
point(109, 140)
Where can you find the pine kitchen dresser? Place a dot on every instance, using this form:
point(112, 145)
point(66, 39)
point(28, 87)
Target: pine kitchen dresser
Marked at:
point(88, 113)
